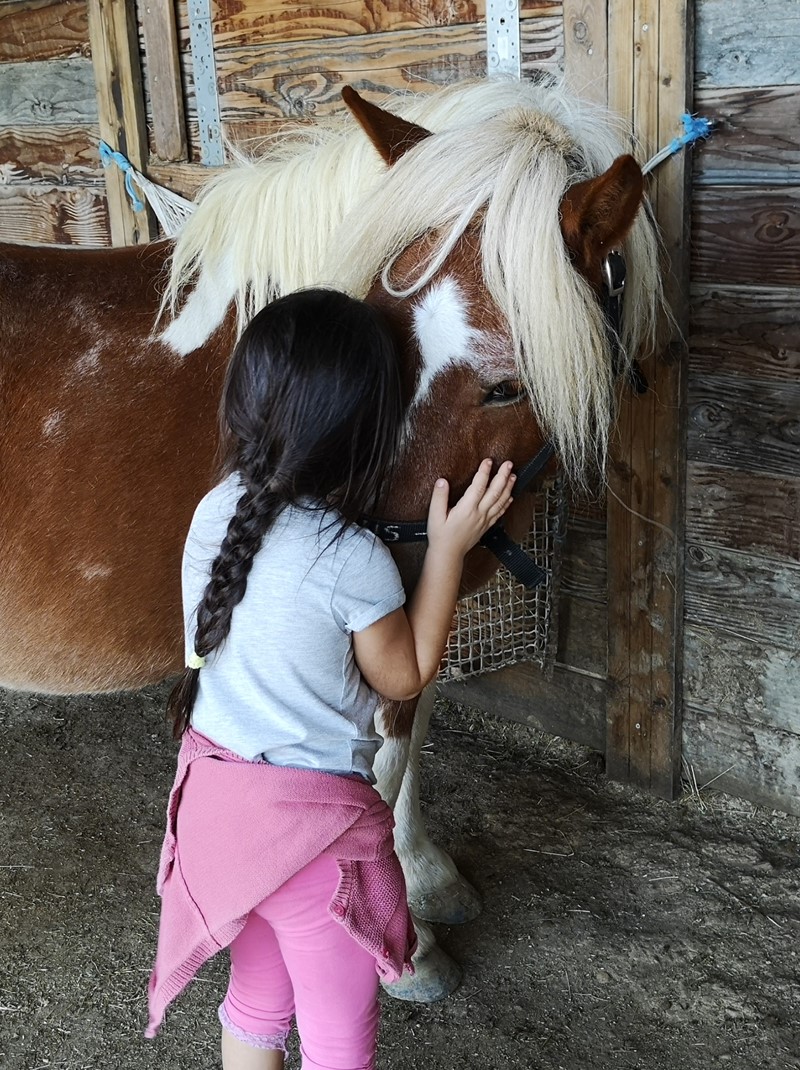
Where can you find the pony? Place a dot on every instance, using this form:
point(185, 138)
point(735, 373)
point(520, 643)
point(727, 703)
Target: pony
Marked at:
point(478, 218)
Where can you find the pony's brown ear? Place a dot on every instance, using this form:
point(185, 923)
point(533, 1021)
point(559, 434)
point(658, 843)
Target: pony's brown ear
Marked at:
point(598, 213)
point(391, 135)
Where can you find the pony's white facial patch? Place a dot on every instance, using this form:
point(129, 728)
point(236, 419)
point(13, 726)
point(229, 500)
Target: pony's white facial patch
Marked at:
point(444, 334)
point(51, 425)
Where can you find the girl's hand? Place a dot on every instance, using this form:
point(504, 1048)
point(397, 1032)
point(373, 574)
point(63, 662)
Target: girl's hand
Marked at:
point(483, 503)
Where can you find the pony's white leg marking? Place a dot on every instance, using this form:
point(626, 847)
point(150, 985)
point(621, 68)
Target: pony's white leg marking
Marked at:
point(432, 878)
point(436, 890)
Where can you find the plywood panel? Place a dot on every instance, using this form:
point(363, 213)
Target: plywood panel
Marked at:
point(758, 138)
point(43, 29)
point(746, 237)
point(568, 704)
point(266, 84)
point(57, 91)
point(742, 331)
point(752, 511)
point(748, 759)
point(743, 423)
point(57, 155)
point(53, 216)
point(255, 22)
point(742, 680)
point(747, 43)
point(743, 595)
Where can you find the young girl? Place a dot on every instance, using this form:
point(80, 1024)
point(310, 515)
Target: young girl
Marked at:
point(277, 843)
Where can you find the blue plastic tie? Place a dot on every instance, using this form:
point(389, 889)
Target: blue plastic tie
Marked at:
point(109, 156)
point(694, 128)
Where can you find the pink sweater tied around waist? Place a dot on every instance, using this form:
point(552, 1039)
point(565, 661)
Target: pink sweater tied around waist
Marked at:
point(237, 830)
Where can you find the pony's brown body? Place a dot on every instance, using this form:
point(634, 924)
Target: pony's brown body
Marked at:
point(107, 442)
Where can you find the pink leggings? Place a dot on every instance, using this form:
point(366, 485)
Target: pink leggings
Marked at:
point(294, 958)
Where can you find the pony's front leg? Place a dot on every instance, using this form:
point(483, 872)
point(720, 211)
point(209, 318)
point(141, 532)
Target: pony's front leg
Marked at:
point(431, 876)
point(436, 890)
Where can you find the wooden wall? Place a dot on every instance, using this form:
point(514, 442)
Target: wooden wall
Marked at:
point(742, 702)
point(279, 63)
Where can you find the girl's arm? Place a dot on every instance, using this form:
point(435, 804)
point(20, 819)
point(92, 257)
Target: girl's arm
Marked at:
point(400, 654)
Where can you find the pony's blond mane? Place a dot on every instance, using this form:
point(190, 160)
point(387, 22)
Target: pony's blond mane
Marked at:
point(320, 208)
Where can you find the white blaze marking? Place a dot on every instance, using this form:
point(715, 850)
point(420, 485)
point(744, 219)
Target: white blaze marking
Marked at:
point(443, 332)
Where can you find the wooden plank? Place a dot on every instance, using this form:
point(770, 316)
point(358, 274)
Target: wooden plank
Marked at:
point(650, 54)
point(164, 81)
point(586, 48)
point(582, 641)
point(746, 237)
point(56, 91)
point(584, 569)
point(747, 759)
point(248, 23)
point(741, 680)
point(45, 215)
point(745, 423)
point(259, 84)
point(753, 43)
point(744, 595)
point(744, 331)
point(56, 155)
point(120, 105)
point(568, 704)
point(753, 511)
point(42, 30)
point(758, 138)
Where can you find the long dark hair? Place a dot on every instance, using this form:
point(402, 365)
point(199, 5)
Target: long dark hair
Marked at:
point(311, 408)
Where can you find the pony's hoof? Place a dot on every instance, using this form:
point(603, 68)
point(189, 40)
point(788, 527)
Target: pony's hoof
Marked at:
point(436, 976)
point(454, 905)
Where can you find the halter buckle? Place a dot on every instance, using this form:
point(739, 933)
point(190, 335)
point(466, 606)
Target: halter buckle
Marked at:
point(614, 273)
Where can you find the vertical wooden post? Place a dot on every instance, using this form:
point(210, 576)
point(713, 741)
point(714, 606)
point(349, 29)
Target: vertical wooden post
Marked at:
point(650, 57)
point(164, 75)
point(120, 102)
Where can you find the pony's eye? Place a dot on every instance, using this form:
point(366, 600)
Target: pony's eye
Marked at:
point(507, 392)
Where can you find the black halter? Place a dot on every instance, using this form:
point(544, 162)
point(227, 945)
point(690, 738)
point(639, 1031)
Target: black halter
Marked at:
point(510, 554)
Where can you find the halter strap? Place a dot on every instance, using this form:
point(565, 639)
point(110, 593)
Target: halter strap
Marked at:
point(510, 554)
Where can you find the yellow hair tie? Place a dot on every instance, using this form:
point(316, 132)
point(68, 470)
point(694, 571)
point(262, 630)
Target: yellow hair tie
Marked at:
point(195, 662)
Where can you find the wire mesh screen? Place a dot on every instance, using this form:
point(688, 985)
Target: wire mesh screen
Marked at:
point(504, 622)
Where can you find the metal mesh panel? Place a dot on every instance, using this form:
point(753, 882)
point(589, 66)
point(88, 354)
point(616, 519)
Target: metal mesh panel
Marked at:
point(504, 622)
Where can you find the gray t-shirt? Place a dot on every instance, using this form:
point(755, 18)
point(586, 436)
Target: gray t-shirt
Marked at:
point(285, 687)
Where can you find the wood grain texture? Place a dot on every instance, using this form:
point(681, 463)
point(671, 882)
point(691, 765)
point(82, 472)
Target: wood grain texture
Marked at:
point(582, 640)
point(742, 680)
point(568, 704)
point(650, 53)
point(120, 107)
point(746, 424)
point(249, 23)
point(42, 30)
point(750, 760)
point(746, 237)
point(743, 595)
point(55, 91)
point(586, 48)
point(263, 84)
point(164, 80)
point(744, 510)
point(56, 155)
point(757, 140)
point(743, 331)
point(753, 43)
point(53, 216)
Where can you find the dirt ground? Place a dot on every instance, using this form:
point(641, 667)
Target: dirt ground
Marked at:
point(618, 931)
